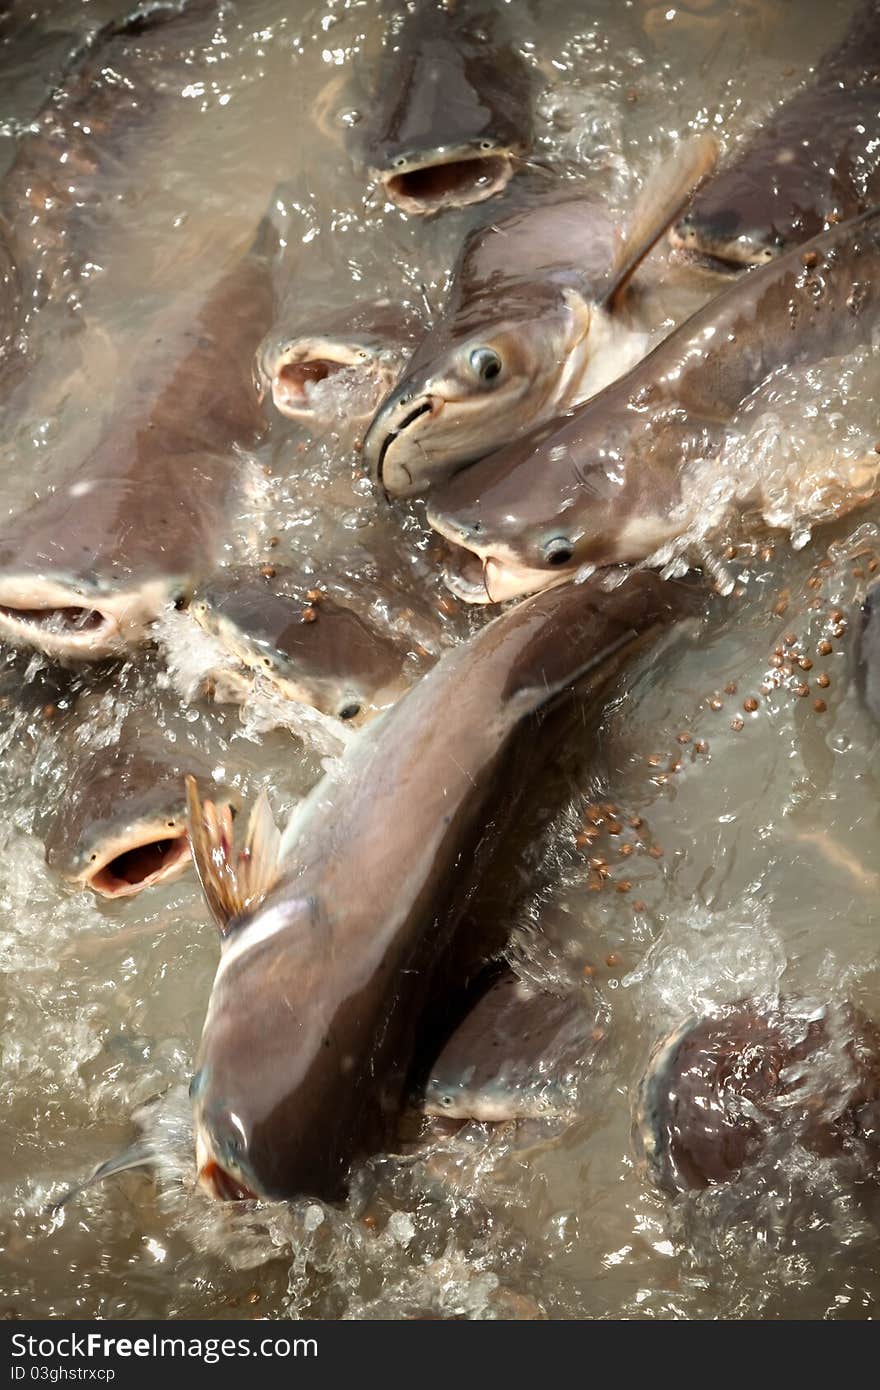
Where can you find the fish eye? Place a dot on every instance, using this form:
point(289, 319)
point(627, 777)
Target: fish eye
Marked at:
point(350, 711)
point(485, 363)
point(558, 551)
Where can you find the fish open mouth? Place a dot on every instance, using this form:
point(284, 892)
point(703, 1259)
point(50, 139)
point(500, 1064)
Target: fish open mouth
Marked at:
point(59, 620)
point(434, 183)
point(156, 854)
point(218, 1183)
point(465, 575)
point(62, 628)
point(320, 380)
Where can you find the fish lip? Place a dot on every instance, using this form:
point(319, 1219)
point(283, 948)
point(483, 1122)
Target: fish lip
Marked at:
point(213, 1177)
point(464, 574)
point(407, 183)
point(122, 618)
point(377, 443)
point(292, 399)
point(219, 1184)
point(100, 878)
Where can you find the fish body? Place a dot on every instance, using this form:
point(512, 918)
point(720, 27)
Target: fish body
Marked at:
point(322, 989)
point(815, 161)
point(451, 109)
point(135, 521)
point(720, 1091)
point(537, 321)
point(313, 648)
point(81, 155)
point(604, 484)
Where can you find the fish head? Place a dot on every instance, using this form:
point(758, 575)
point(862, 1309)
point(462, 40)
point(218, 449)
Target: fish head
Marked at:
point(322, 379)
point(311, 648)
point(69, 618)
point(464, 398)
point(733, 219)
point(558, 503)
point(121, 827)
point(222, 1141)
point(278, 1089)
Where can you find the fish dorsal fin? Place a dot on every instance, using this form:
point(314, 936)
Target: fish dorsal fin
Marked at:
point(666, 191)
point(232, 882)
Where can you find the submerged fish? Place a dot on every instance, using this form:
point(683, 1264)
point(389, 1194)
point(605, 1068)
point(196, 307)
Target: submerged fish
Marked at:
point(516, 1055)
point(299, 638)
point(606, 484)
point(817, 160)
point(537, 321)
point(85, 148)
point(86, 569)
point(337, 939)
point(450, 110)
point(720, 1090)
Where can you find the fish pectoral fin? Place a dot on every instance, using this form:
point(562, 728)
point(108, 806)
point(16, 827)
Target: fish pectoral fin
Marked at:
point(231, 882)
point(519, 1054)
point(666, 192)
point(138, 1155)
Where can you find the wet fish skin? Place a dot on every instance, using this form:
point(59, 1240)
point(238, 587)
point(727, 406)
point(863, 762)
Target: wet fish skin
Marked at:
point(868, 652)
point(139, 517)
point(515, 1055)
point(816, 160)
point(720, 1090)
point(56, 194)
point(538, 320)
point(447, 409)
point(122, 825)
point(313, 648)
point(450, 110)
point(611, 472)
point(314, 1016)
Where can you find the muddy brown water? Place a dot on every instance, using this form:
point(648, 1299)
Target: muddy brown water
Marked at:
point(742, 839)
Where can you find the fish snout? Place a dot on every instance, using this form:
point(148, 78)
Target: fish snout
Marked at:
point(391, 449)
point(722, 236)
point(219, 1163)
point(461, 529)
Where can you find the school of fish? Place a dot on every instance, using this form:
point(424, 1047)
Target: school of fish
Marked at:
point(553, 421)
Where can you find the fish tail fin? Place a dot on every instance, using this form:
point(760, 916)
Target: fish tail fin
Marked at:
point(666, 192)
point(232, 883)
